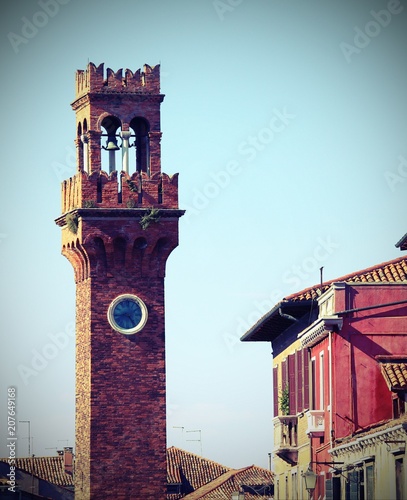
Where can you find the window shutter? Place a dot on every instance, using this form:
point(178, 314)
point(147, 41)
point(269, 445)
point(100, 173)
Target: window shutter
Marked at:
point(284, 377)
point(299, 384)
point(329, 495)
point(333, 488)
point(370, 493)
point(275, 390)
point(305, 360)
point(291, 384)
point(353, 485)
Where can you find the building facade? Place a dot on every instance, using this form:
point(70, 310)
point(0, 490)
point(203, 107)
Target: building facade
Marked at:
point(119, 224)
point(339, 376)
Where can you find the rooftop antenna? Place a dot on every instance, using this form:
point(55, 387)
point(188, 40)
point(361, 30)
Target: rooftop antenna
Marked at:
point(321, 272)
point(200, 439)
point(182, 430)
point(29, 434)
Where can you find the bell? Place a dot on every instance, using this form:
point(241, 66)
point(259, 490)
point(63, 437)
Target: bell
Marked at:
point(111, 144)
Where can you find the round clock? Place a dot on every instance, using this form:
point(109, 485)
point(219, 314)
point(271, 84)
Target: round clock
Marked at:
point(127, 314)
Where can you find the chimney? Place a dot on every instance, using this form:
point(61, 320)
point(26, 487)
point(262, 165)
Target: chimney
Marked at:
point(68, 460)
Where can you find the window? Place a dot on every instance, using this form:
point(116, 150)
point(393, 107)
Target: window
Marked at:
point(360, 484)
point(321, 381)
point(399, 405)
point(294, 486)
point(314, 384)
point(295, 379)
point(333, 488)
point(369, 482)
point(399, 478)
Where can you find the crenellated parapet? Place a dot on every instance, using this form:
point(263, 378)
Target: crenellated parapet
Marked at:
point(119, 190)
point(94, 80)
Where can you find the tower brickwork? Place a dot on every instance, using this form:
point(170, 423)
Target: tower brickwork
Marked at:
point(119, 224)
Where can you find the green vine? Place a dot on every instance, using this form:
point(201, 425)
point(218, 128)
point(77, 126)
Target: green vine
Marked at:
point(285, 401)
point(149, 217)
point(72, 222)
point(132, 185)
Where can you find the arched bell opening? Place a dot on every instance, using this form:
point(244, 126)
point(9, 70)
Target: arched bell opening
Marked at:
point(110, 133)
point(141, 128)
point(79, 145)
point(83, 146)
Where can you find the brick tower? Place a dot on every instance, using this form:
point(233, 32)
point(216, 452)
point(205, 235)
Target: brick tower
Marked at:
point(119, 224)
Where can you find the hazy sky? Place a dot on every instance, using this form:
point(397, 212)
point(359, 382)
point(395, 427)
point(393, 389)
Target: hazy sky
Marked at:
point(287, 122)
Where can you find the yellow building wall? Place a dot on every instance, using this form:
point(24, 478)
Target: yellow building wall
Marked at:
point(289, 483)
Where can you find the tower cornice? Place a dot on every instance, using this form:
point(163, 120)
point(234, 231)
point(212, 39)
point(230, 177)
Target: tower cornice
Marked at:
point(101, 96)
point(123, 213)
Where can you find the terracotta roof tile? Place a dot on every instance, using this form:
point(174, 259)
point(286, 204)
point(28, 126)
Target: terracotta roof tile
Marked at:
point(394, 271)
point(186, 467)
point(208, 480)
point(257, 483)
point(394, 372)
point(48, 468)
point(201, 478)
point(373, 429)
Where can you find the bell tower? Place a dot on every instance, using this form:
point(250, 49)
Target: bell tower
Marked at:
point(119, 224)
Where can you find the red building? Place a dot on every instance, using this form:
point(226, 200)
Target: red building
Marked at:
point(340, 353)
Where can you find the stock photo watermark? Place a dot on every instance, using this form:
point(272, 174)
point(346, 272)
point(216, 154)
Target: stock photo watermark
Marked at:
point(363, 36)
point(11, 437)
point(41, 357)
point(31, 27)
point(399, 176)
point(295, 276)
point(223, 7)
point(247, 151)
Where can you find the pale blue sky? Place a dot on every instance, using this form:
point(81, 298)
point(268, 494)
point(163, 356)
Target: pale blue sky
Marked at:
point(292, 154)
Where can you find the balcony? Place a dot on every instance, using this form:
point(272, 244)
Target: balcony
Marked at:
point(316, 423)
point(286, 438)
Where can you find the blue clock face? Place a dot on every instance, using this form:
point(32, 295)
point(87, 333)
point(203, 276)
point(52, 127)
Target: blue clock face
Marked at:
point(127, 314)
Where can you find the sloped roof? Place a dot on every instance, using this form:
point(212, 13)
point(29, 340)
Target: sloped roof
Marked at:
point(402, 243)
point(204, 479)
point(271, 325)
point(375, 428)
point(50, 469)
point(256, 482)
point(191, 470)
point(199, 477)
point(393, 271)
point(394, 370)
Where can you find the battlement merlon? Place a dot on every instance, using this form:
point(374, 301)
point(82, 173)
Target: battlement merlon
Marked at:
point(100, 190)
point(93, 79)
